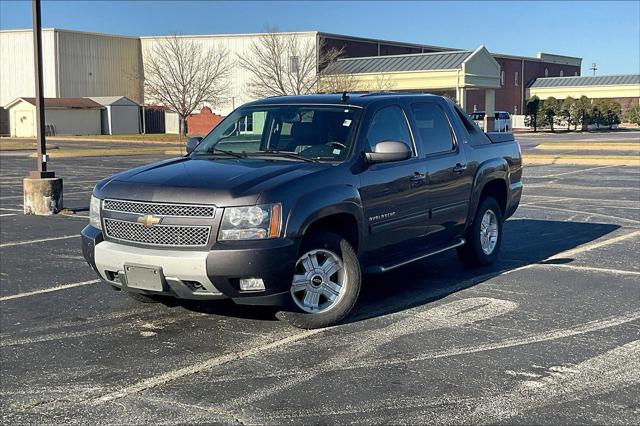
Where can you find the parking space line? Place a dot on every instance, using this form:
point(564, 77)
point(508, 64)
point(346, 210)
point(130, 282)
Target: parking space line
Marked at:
point(588, 269)
point(8, 214)
point(11, 210)
point(571, 172)
point(207, 364)
point(11, 197)
point(592, 246)
point(608, 216)
point(48, 290)
point(19, 243)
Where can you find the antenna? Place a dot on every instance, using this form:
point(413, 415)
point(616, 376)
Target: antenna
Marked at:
point(344, 97)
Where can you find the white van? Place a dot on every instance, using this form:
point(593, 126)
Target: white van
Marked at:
point(503, 120)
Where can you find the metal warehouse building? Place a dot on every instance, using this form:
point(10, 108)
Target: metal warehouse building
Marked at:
point(75, 64)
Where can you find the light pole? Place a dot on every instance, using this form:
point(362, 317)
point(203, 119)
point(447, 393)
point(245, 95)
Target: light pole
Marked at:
point(40, 123)
point(42, 190)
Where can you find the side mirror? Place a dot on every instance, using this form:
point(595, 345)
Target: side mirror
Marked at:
point(192, 143)
point(388, 151)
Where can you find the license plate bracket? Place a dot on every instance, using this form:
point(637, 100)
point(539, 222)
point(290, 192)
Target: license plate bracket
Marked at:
point(144, 277)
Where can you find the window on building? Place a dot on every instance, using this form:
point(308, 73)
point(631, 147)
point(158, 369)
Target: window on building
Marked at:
point(561, 73)
point(501, 78)
point(389, 124)
point(516, 79)
point(433, 128)
point(294, 63)
point(546, 72)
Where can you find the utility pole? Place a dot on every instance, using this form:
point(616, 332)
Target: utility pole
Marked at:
point(593, 68)
point(40, 123)
point(42, 190)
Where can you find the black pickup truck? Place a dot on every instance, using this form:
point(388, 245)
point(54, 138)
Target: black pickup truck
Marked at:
point(290, 200)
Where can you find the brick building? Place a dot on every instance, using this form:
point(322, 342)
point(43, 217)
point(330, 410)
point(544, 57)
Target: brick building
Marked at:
point(201, 123)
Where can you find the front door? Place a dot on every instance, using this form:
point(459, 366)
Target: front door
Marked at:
point(24, 125)
point(448, 180)
point(392, 193)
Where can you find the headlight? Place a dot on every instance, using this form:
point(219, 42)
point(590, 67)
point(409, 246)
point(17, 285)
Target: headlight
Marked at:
point(94, 212)
point(251, 222)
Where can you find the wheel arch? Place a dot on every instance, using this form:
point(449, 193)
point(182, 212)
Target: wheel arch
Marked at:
point(491, 178)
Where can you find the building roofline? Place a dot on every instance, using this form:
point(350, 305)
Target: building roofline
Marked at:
point(396, 43)
point(405, 55)
point(62, 30)
point(227, 34)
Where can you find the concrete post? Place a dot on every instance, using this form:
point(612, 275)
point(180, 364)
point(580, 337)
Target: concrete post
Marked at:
point(42, 196)
point(461, 98)
point(489, 110)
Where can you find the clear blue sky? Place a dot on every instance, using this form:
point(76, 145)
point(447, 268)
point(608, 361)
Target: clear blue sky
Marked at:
point(604, 32)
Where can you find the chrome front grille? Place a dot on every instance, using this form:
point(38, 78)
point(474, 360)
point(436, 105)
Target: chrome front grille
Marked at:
point(157, 235)
point(160, 209)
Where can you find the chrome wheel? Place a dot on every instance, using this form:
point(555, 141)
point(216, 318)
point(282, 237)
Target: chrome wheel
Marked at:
point(319, 281)
point(488, 232)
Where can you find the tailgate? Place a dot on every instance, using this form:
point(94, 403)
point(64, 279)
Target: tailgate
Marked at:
point(499, 137)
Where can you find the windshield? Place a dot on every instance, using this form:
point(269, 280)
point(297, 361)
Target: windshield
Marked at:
point(303, 132)
point(477, 116)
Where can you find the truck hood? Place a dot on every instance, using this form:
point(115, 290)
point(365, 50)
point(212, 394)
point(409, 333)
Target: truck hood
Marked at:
point(220, 181)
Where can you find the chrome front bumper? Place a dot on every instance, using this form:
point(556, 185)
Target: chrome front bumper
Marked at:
point(185, 272)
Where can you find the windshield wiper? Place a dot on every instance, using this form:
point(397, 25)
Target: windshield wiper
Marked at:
point(215, 150)
point(288, 155)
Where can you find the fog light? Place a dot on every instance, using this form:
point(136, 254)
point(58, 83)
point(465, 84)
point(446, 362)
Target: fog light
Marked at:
point(251, 284)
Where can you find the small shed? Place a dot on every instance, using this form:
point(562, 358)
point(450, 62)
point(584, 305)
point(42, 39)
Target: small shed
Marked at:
point(63, 116)
point(120, 116)
point(160, 119)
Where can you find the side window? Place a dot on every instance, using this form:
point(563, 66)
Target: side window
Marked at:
point(433, 128)
point(388, 124)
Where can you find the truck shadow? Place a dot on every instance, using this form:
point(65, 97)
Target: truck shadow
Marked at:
point(526, 241)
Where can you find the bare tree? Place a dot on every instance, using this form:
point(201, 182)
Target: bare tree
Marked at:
point(331, 82)
point(180, 74)
point(283, 64)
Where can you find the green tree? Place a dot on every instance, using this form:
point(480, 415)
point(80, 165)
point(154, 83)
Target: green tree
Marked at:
point(565, 111)
point(531, 112)
point(633, 115)
point(607, 112)
point(549, 111)
point(580, 112)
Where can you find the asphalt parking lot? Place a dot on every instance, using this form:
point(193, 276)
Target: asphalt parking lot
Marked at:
point(549, 334)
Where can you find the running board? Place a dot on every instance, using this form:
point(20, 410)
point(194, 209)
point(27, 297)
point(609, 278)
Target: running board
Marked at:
point(379, 269)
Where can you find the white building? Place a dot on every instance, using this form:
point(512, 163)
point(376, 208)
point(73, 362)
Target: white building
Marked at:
point(63, 116)
point(75, 64)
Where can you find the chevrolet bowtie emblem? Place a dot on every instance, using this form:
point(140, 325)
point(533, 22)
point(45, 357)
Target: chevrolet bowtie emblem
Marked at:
point(148, 220)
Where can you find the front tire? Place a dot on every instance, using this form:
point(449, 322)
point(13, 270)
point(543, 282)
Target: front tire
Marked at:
point(484, 237)
point(326, 282)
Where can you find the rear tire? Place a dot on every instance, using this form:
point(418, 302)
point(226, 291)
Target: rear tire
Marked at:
point(484, 237)
point(142, 298)
point(326, 282)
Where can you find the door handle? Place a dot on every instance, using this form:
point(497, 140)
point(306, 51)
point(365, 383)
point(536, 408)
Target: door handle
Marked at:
point(418, 177)
point(459, 168)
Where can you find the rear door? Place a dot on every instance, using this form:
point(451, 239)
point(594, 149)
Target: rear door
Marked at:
point(392, 193)
point(448, 179)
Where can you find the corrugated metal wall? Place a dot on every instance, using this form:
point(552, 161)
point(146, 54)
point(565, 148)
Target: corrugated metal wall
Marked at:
point(99, 65)
point(16, 65)
point(236, 45)
point(85, 65)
